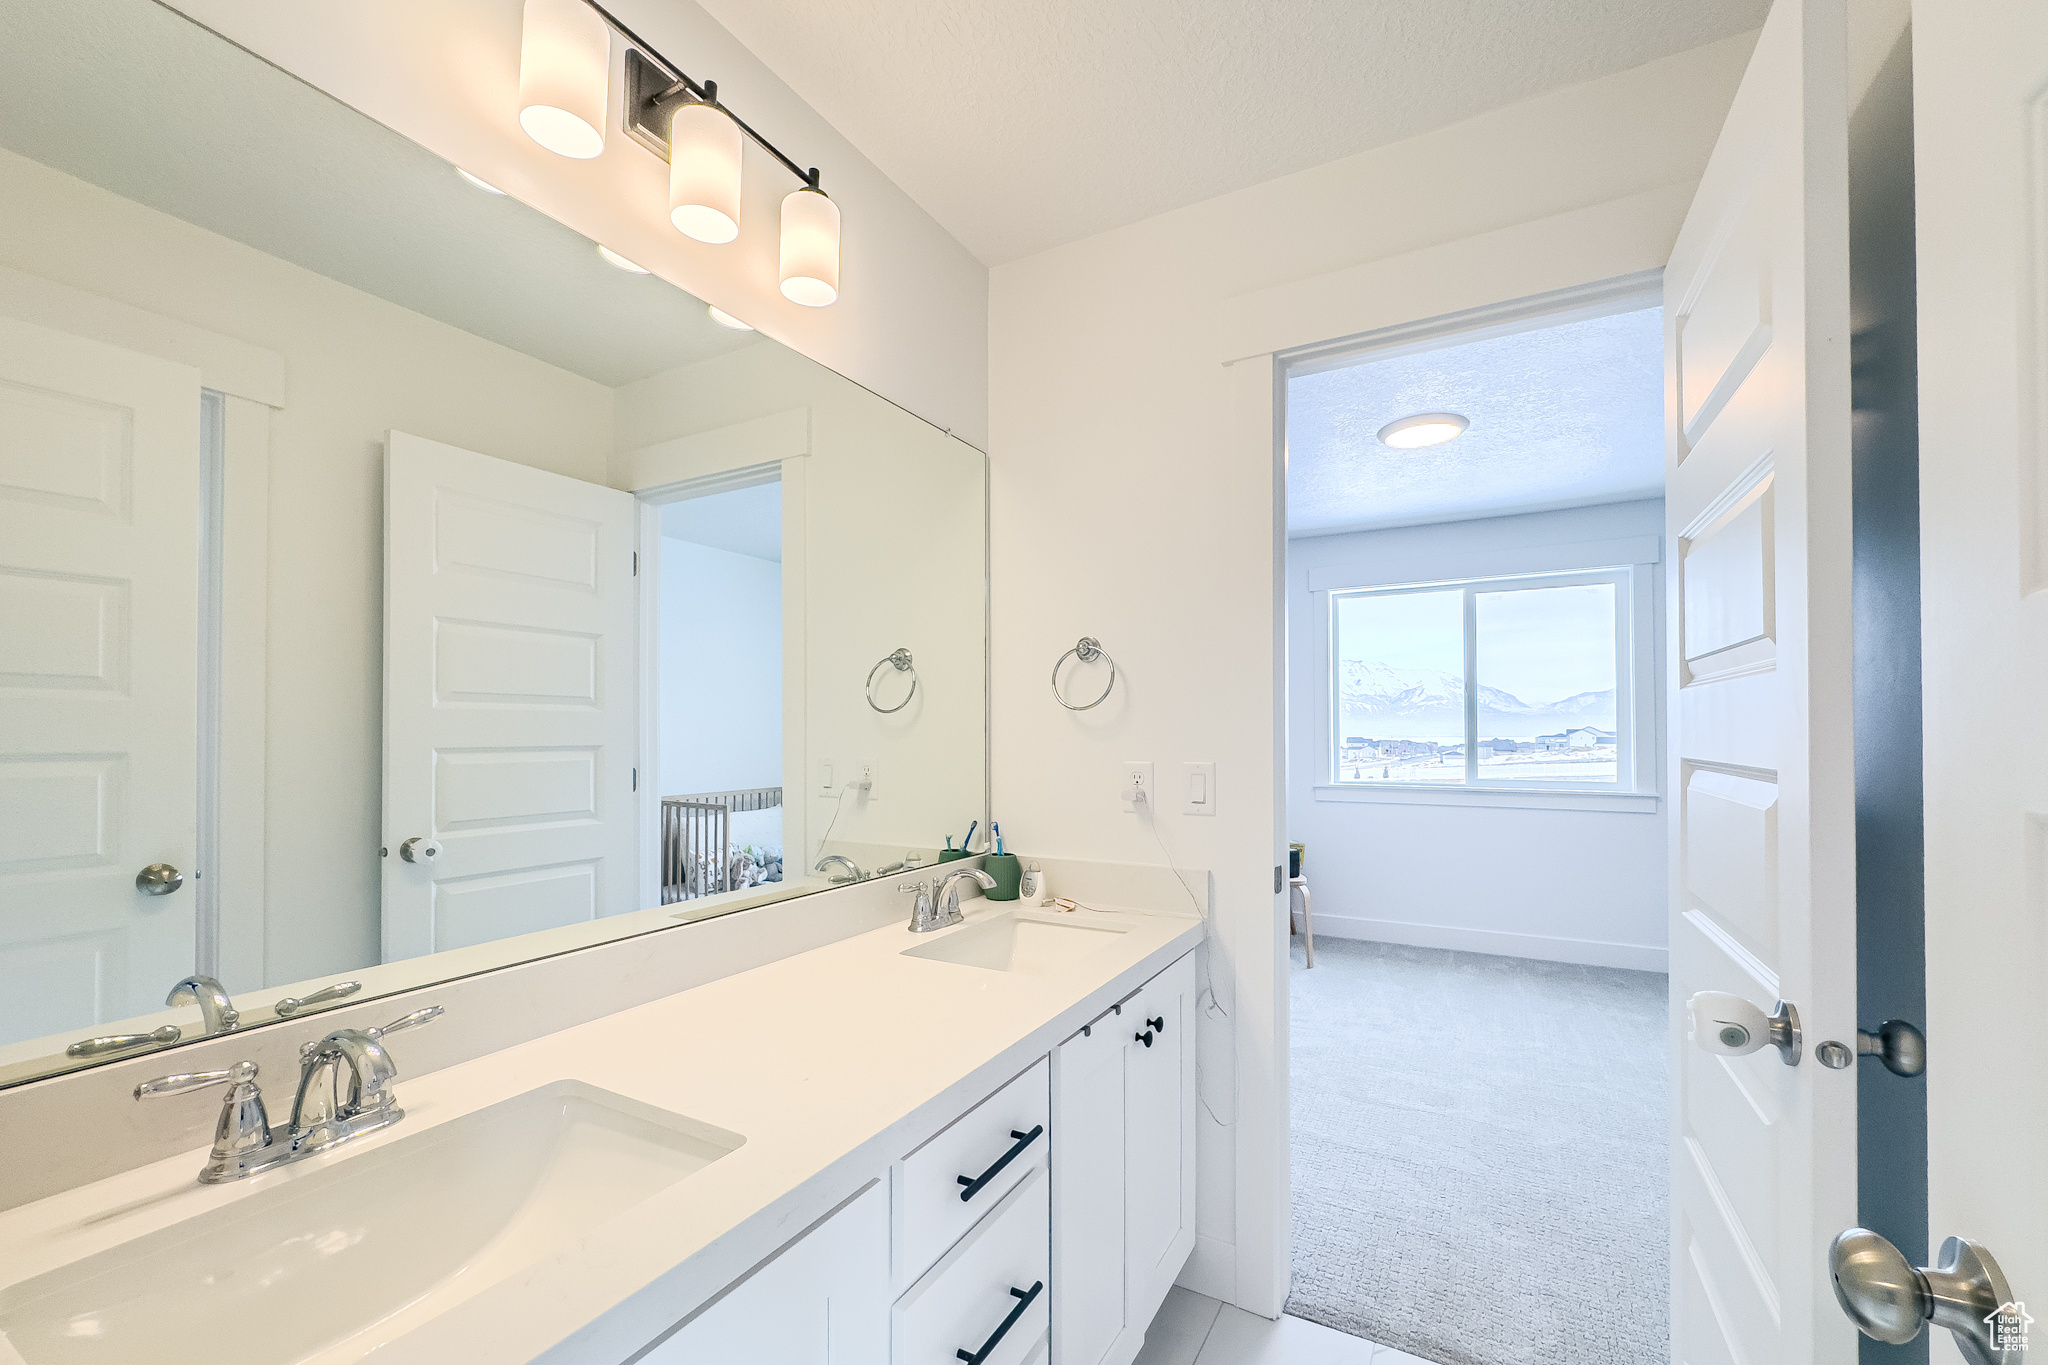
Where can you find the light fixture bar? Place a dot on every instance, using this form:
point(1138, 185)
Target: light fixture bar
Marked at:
point(654, 84)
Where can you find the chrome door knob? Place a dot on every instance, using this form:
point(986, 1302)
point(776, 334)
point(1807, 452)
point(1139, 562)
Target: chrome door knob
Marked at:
point(1730, 1026)
point(419, 849)
point(159, 879)
point(1889, 1299)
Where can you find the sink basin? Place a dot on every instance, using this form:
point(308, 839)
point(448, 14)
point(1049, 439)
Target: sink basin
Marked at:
point(1035, 945)
point(367, 1247)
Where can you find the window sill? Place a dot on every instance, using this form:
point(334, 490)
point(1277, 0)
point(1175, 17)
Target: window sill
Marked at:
point(1394, 794)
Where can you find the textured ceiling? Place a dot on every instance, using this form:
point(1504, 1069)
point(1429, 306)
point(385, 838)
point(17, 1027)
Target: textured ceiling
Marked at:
point(1023, 124)
point(202, 130)
point(1565, 416)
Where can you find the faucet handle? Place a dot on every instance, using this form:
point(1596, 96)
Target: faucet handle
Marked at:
point(292, 1004)
point(194, 1080)
point(413, 1020)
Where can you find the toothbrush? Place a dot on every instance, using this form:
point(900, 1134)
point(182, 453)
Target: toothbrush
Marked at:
point(949, 843)
point(967, 844)
point(997, 831)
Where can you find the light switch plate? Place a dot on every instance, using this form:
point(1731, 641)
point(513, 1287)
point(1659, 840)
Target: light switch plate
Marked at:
point(827, 783)
point(1134, 777)
point(1198, 789)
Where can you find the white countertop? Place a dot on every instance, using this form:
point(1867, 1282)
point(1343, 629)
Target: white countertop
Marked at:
point(831, 1064)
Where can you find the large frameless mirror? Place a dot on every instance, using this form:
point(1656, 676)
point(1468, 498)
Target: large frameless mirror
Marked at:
point(394, 586)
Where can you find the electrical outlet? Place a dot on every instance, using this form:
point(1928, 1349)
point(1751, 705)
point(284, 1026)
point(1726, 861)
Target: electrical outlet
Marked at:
point(1134, 784)
point(1198, 789)
point(860, 773)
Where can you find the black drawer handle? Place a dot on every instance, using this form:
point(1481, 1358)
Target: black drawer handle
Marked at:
point(1159, 1023)
point(1145, 1037)
point(1024, 1298)
point(975, 1182)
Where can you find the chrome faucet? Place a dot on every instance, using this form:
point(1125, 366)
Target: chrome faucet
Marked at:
point(853, 872)
point(216, 1011)
point(941, 909)
point(326, 1111)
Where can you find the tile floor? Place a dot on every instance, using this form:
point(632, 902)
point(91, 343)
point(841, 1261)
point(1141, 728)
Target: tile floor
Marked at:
point(1194, 1330)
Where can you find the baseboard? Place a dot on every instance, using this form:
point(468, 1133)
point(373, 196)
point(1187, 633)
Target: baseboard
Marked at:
point(1587, 952)
point(1211, 1269)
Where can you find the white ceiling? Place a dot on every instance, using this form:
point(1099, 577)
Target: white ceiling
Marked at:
point(1023, 124)
point(746, 521)
point(1564, 416)
point(143, 102)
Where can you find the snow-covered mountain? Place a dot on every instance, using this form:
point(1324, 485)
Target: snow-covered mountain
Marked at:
point(1383, 702)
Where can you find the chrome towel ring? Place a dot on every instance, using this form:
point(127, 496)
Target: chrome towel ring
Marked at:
point(1086, 650)
point(901, 658)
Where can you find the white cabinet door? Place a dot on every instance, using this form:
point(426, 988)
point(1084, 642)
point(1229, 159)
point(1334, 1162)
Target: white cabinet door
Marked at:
point(511, 725)
point(822, 1301)
point(1088, 1196)
point(1980, 110)
point(99, 601)
point(1159, 1137)
point(1763, 901)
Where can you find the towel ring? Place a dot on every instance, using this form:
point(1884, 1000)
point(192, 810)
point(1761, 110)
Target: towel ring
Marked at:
point(901, 658)
point(1086, 650)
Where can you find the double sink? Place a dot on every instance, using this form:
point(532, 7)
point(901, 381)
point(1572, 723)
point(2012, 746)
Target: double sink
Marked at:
point(338, 1258)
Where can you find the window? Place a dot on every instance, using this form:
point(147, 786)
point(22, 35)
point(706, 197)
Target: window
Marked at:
point(1501, 683)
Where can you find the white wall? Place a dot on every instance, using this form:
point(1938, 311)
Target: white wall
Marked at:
point(1134, 499)
point(721, 670)
point(911, 321)
point(357, 366)
point(1566, 885)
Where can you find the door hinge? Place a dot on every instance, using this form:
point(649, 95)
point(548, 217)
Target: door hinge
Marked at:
point(636, 779)
point(1279, 882)
point(636, 563)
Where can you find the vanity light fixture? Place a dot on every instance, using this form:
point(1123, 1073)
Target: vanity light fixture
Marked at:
point(564, 76)
point(1423, 429)
point(614, 258)
point(486, 186)
point(682, 121)
point(725, 319)
point(810, 247)
point(704, 170)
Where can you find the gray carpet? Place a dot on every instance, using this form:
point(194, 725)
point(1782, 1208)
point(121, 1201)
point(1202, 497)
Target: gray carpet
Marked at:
point(1480, 1155)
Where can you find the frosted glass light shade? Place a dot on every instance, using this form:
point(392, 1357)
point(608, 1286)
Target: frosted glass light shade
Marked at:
point(810, 248)
point(564, 77)
point(704, 173)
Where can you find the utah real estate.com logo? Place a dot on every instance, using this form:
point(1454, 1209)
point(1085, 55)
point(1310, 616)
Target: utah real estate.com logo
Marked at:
point(2008, 1323)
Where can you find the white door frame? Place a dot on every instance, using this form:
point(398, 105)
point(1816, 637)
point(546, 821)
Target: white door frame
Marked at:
point(791, 474)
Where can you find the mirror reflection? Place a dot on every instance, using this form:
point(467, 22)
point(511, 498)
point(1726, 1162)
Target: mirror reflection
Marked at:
point(396, 585)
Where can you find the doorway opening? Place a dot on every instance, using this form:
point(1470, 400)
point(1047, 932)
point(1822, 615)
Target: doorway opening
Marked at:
point(1475, 650)
point(718, 698)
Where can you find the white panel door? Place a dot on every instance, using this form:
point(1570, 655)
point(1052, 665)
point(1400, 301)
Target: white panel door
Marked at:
point(510, 682)
point(1159, 1137)
point(1980, 74)
point(99, 595)
point(1763, 899)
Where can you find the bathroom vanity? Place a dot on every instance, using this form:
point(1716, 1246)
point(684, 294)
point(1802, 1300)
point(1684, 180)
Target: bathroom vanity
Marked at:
point(975, 1144)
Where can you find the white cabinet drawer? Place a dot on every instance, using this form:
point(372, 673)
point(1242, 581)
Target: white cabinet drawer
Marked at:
point(944, 1187)
point(990, 1296)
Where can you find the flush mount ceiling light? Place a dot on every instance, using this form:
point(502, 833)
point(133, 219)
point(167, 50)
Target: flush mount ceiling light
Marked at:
point(564, 76)
point(486, 186)
point(725, 319)
point(614, 258)
point(564, 71)
point(1423, 429)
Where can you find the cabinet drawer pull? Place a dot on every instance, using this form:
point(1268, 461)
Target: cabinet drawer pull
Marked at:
point(974, 1183)
point(1159, 1023)
point(1145, 1037)
point(1024, 1298)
